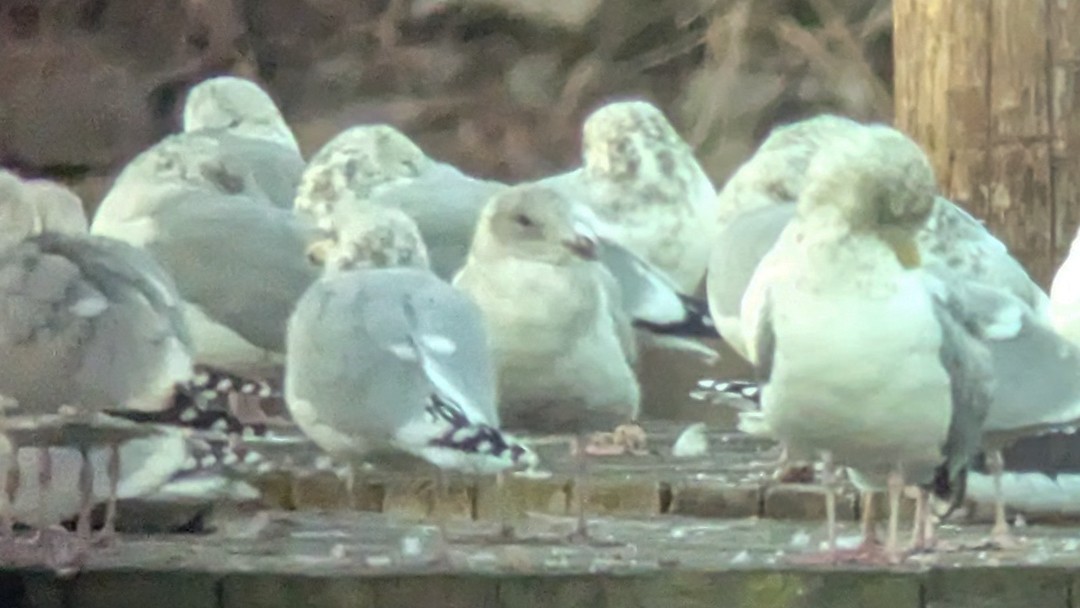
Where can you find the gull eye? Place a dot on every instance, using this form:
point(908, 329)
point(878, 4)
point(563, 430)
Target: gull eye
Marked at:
point(523, 220)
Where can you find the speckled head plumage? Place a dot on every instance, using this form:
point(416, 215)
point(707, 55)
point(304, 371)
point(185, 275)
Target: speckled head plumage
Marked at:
point(381, 237)
point(634, 141)
point(355, 163)
point(194, 160)
point(879, 181)
point(777, 171)
point(235, 104)
point(537, 223)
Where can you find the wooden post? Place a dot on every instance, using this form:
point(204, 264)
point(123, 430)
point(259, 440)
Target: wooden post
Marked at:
point(990, 90)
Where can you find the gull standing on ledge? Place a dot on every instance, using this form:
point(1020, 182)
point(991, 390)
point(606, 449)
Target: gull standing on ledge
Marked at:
point(862, 357)
point(385, 356)
point(563, 346)
point(955, 247)
point(95, 325)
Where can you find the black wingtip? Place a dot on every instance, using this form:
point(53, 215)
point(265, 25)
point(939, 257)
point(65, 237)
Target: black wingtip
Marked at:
point(744, 389)
point(191, 409)
point(950, 488)
point(471, 438)
point(697, 322)
point(217, 382)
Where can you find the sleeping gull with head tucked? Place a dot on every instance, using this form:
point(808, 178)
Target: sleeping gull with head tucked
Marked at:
point(251, 130)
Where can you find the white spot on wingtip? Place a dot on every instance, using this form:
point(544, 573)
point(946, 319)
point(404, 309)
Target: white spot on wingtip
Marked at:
point(90, 306)
point(439, 344)
point(403, 351)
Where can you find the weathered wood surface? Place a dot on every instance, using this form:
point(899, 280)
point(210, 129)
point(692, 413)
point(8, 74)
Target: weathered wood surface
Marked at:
point(989, 89)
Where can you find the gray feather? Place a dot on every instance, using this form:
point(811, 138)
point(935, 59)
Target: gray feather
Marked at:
point(737, 252)
point(345, 346)
point(970, 370)
point(276, 168)
point(85, 321)
point(446, 206)
point(243, 263)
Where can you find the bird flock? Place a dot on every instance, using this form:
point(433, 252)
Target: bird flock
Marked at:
point(415, 311)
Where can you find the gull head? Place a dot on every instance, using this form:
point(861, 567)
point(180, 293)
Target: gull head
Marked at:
point(18, 219)
point(180, 163)
point(193, 160)
point(808, 136)
point(379, 237)
point(776, 173)
point(536, 223)
point(633, 140)
point(58, 208)
point(354, 164)
point(238, 105)
point(877, 181)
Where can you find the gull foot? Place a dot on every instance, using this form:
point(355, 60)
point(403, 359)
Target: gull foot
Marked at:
point(625, 439)
point(867, 553)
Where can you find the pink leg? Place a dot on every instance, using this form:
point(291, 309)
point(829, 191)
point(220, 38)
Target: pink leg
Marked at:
point(86, 493)
point(108, 530)
point(920, 530)
point(44, 483)
point(828, 479)
point(1000, 535)
point(869, 551)
point(896, 487)
point(581, 531)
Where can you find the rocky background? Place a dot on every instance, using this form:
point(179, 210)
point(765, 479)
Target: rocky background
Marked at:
point(498, 87)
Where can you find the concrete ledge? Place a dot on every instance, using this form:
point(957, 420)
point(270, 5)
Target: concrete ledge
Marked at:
point(368, 560)
point(944, 588)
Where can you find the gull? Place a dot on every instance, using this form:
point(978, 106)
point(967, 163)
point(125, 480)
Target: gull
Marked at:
point(88, 325)
point(563, 346)
point(377, 165)
point(251, 130)
point(758, 201)
point(954, 246)
point(642, 180)
point(239, 262)
point(865, 358)
point(384, 358)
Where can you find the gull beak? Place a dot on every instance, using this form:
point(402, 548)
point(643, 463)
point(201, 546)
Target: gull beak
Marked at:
point(583, 246)
point(905, 248)
point(319, 251)
point(584, 242)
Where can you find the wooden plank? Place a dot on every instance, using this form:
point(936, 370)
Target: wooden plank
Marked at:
point(989, 89)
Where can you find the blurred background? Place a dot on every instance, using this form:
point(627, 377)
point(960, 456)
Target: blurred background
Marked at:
point(497, 87)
